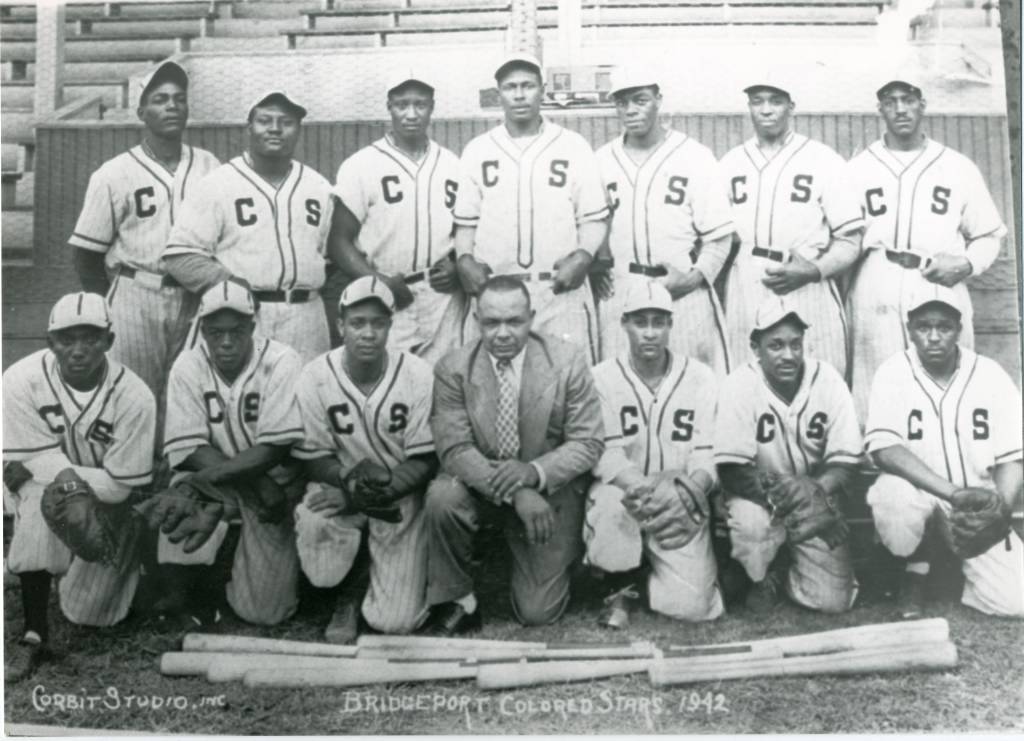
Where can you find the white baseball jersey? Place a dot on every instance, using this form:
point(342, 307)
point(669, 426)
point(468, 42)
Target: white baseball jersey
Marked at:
point(662, 211)
point(792, 203)
point(756, 426)
point(961, 431)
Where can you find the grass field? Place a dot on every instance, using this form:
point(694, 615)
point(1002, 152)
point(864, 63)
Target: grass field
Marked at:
point(108, 679)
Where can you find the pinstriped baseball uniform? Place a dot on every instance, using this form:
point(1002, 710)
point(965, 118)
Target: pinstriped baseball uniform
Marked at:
point(756, 426)
point(924, 202)
point(260, 407)
point(387, 427)
point(130, 205)
point(793, 203)
point(526, 204)
point(654, 431)
point(961, 432)
point(275, 238)
point(405, 208)
point(661, 211)
point(110, 427)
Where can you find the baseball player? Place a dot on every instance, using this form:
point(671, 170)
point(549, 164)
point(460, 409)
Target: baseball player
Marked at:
point(530, 204)
point(71, 407)
point(394, 220)
point(262, 219)
point(788, 419)
point(942, 418)
point(130, 205)
point(671, 223)
point(928, 218)
point(365, 411)
point(659, 409)
point(232, 417)
point(799, 226)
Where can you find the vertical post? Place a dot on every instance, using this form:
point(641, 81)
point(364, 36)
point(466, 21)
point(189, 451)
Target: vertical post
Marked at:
point(570, 29)
point(49, 58)
point(523, 27)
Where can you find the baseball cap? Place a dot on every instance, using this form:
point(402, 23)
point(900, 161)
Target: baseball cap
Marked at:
point(279, 96)
point(165, 72)
point(933, 293)
point(647, 295)
point(771, 311)
point(628, 78)
point(365, 288)
point(404, 76)
point(519, 59)
point(904, 82)
point(76, 309)
point(772, 79)
point(227, 295)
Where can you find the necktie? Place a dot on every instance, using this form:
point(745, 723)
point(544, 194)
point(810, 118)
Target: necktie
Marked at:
point(508, 414)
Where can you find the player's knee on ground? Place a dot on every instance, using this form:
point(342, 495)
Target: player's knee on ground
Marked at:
point(34, 547)
point(174, 553)
point(541, 606)
point(755, 540)
point(900, 511)
point(327, 546)
point(683, 582)
point(822, 578)
point(612, 537)
point(994, 581)
point(446, 499)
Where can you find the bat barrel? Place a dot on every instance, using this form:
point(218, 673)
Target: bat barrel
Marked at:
point(252, 644)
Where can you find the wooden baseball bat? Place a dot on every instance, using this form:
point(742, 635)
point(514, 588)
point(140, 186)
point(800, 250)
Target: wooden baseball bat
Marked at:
point(234, 668)
point(529, 673)
point(405, 641)
point(388, 672)
point(190, 663)
point(913, 657)
point(550, 652)
point(252, 644)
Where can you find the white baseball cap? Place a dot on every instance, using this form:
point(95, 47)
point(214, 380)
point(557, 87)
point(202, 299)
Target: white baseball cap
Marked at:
point(770, 78)
point(933, 293)
point(227, 295)
point(165, 72)
point(405, 76)
point(904, 81)
point(280, 96)
point(647, 295)
point(627, 78)
point(773, 310)
point(367, 287)
point(519, 58)
point(76, 309)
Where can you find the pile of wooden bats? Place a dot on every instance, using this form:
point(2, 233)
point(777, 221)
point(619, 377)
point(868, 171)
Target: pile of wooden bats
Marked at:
point(382, 659)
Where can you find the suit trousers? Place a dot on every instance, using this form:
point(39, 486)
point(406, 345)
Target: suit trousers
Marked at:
point(539, 583)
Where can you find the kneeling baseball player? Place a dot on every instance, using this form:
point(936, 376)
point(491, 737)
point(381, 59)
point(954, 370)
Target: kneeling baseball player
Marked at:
point(370, 455)
point(786, 444)
point(944, 426)
point(78, 438)
point(651, 496)
point(232, 418)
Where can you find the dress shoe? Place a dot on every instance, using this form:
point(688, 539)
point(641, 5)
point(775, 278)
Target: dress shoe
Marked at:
point(451, 619)
point(22, 659)
point(617, 607)
point(912, 597)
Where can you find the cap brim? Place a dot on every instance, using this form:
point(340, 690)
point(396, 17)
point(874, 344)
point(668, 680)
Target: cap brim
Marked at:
point(167, 71)
point(280, 97)
point(898, 83)
point(755, 333)
point(923, 304)
point(631, 86)
point(750, 89)
point(504, 67)
point(410, 81)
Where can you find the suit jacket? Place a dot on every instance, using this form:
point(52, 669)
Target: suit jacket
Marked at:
point(560, 422)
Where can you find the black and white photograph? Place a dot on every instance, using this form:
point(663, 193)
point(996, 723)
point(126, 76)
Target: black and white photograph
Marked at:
point(511, 367)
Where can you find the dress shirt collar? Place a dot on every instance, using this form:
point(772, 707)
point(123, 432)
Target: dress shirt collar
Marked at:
point(516, 365)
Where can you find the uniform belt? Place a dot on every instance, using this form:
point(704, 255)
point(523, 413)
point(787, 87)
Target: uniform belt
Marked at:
point(651, 271)
point(416, 277)
point(908, 260)
point(775, 255)
point(294, 296)
point(527, 277)
point(166, 281)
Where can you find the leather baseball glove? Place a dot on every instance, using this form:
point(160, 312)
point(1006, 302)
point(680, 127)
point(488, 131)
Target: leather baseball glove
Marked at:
point(672, 512)
point(93, 530)
point(979, 520)
point(187, 512)
point(805, 508)
point(367, 487)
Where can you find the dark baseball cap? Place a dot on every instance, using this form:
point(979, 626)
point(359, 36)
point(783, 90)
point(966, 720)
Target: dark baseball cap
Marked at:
point(165, 72)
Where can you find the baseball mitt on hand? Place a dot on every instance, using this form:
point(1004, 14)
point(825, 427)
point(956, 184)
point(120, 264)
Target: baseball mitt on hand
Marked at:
point(672, 512)
point(805, 508)
point(367, 487)
point(979, 520)
point(93, 530)
point(187, 512)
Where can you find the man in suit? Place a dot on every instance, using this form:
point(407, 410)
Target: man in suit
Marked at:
point(517, 425)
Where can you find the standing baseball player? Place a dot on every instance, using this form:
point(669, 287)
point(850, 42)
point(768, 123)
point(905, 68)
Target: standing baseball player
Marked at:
point(671, 223)
point(131, 204)
point(262, 219)
point(71, 415)
point(786, 443)
point(370, 453)
point(232, 418)
point(653, 479)
point(944, 426)
point(929, 218)
point(530, 204)
point(799, 225)
point(394, 220)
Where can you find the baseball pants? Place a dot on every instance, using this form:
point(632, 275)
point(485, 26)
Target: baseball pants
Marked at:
point(540, 573)
point(819, 578)
point(682, 582)
point(327, 547)
point(431, 325)
point(994, 581)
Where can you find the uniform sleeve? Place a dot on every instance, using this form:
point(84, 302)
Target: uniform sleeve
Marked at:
point(469, 195)
point(1006, 417)
point(702, 450)
point(590, 200)
point(980, 224)
point(186, 428)
point(712, 217)
point(101, 214)
point(26, 433)
point(614, 460)
point(198, 226)
point(843, 442)
point(348, 186)
point(418, 437)
point(129, 460)
point(839, 197)
point(316, 440)
point(734, 425)
point(886, 411)
point(280, 422)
